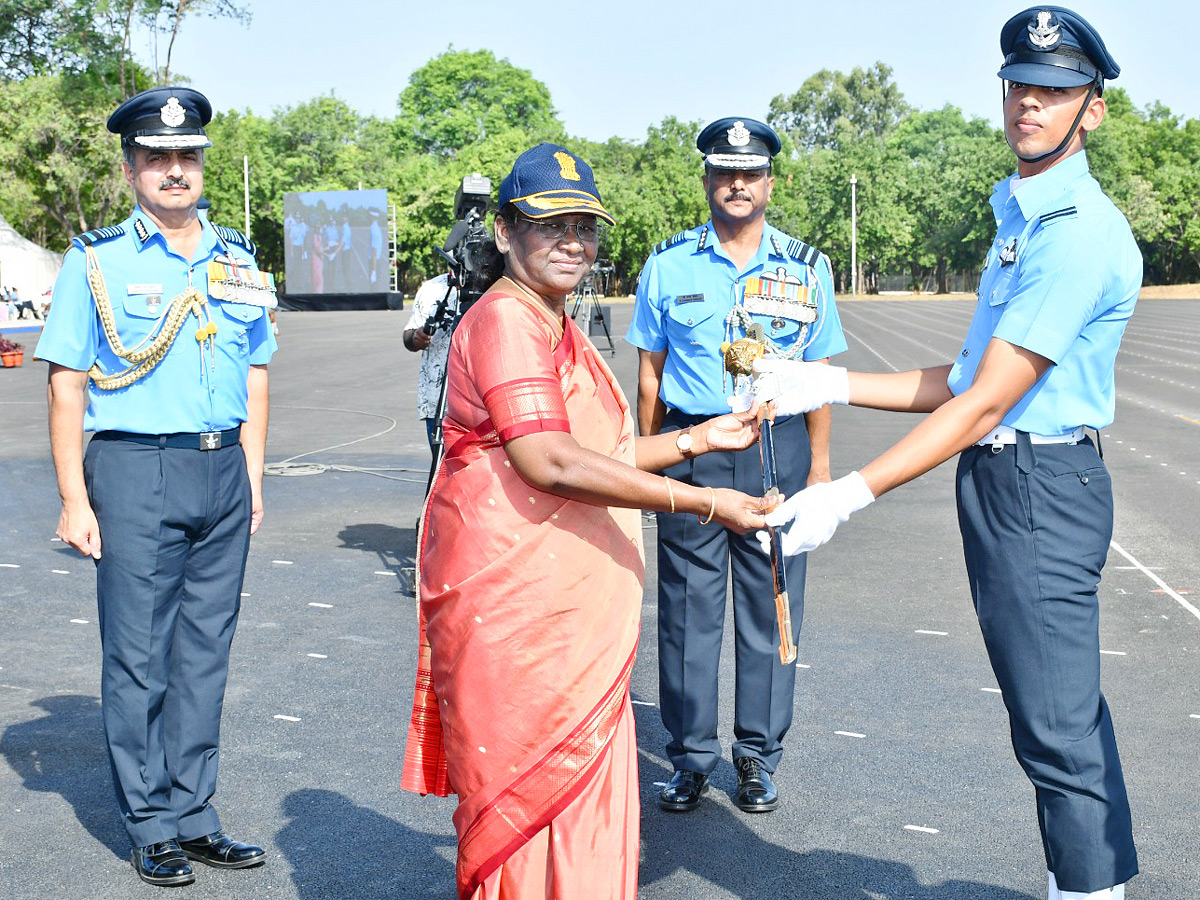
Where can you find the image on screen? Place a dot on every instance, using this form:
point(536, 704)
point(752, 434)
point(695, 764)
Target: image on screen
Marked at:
point(334, 242)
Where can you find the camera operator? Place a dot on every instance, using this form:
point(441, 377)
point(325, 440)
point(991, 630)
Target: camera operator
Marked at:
point(422, 333)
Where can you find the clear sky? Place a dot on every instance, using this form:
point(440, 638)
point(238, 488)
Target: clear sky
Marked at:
point(616, 67)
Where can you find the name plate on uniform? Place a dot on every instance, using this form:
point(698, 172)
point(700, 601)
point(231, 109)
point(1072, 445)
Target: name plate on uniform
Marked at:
point(240, 284)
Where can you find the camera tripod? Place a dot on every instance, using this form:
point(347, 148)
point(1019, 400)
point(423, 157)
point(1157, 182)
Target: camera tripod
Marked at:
point(587, 300)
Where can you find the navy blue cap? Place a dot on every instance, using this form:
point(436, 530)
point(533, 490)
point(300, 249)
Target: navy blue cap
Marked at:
point(734, 143)
point(165, 118)
point(549, 180)
point(1050, 46)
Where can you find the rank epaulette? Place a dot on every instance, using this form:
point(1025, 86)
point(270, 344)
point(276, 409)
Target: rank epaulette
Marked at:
point(97, 235)
point(233, 236)
point(1065, 213)
point(671, 242)
point(803, 252)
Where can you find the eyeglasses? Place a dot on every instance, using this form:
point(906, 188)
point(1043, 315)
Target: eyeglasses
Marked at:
point(589, 231)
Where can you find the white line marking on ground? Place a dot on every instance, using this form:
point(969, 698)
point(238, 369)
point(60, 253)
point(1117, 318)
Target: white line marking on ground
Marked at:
point(853, 734)
point(385, 573)
point(244, 594)
point(322, 605)
point(1162, 584)
point(992, 690)
point(318, 656)
point(79, 621)
point(938, 633)
point(282, 562)
point(1114, 653)
point(287, 718)
point(803, 666)
point(920, 828)
point(1194, 716)
point(59, 572)
point(641, 702)
point(9, 566)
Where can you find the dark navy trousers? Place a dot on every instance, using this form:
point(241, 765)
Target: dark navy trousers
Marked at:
point(1036, 522)
point(693, 576)
point(175, 531)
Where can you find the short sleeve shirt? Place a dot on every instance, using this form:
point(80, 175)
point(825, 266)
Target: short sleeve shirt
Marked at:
point(433, 358)
point(1061, 280)
point(686, 292)
point(198, 386)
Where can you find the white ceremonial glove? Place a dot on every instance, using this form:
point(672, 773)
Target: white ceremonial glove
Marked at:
point(741, 401)
point(799, 387)
point(815, 513)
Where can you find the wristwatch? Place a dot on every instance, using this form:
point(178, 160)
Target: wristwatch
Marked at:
point(684, 443)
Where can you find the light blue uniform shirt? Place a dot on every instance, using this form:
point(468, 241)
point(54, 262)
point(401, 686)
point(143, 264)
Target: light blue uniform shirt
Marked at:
point(688, 287)
point(1061, 280)
point(193, 389)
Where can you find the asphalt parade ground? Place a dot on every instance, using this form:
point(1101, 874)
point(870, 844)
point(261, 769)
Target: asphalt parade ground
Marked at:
point(897, 779)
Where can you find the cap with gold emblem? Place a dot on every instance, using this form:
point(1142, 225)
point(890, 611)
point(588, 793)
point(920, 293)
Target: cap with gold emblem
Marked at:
point(738, 143)
point(549, 180)
point(165, 118)
point(1049, 46)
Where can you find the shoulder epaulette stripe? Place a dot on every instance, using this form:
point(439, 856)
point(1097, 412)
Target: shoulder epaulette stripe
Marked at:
point(670, 242)
point(775, 248)
point(96, 235)
point(1059, 214)
point(703, 242)
point(233, 236)
point(806, 253)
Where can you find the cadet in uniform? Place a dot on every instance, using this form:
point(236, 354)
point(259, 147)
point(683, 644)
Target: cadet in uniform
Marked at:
point(1034, 497)
point(159, 344)
point(700, 288)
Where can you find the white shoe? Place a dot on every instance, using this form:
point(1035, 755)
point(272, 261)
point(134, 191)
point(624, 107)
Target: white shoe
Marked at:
point(1116, 892)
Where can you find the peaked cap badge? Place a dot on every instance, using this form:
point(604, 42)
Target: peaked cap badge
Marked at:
point(739, 135)
point(566, 166)
point(172, 114)
point(1044, 31)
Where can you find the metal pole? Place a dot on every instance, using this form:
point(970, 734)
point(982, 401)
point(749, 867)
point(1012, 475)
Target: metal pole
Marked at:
point(246, 190)
point(853, 236)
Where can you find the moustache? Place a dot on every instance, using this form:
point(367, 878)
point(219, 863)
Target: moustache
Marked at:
point(737, 195)
point(168, 183)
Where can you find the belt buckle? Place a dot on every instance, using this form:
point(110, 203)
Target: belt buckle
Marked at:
point(210, 440)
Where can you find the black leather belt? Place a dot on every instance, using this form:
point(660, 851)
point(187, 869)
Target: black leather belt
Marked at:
point(205, 440)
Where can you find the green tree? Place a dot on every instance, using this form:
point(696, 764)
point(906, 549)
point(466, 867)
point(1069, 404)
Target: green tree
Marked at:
point(953, 165)
point(460, 98)
point(64, 167)
point(653, 191)
point(833, 109)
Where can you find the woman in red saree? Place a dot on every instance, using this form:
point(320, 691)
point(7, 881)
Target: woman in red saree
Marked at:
point(531, 567)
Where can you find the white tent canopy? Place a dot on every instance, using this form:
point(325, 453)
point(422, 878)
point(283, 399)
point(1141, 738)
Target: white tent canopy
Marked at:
point(26, 266)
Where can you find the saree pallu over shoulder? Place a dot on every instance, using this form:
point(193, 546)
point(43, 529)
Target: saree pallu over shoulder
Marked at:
point(530, 603)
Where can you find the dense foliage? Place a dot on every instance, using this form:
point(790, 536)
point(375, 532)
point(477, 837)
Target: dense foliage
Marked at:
point(923, 177)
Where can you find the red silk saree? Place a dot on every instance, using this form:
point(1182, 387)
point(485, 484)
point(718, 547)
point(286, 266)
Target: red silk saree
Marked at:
point(530, 607)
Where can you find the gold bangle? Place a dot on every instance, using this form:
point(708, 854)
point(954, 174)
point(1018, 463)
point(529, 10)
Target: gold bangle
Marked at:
point(712, 507)
point(670, 493)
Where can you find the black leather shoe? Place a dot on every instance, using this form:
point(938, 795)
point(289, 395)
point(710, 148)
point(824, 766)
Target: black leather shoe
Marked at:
point(163, 864)
point(756, 791)
point(683, 791)
point(220, 850)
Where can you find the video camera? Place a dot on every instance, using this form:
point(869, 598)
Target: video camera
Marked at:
point(463, 250)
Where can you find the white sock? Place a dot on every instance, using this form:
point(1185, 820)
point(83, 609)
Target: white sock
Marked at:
point(1116, 892)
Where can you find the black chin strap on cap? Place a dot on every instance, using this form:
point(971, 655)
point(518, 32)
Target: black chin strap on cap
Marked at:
point(1070, 132)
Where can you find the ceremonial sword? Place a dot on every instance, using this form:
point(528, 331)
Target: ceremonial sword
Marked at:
point(739, 361)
